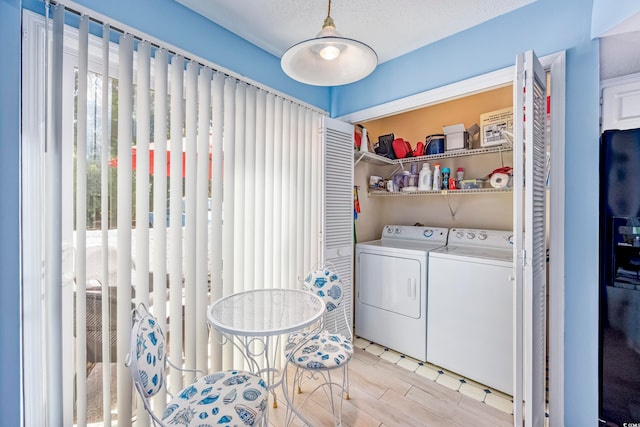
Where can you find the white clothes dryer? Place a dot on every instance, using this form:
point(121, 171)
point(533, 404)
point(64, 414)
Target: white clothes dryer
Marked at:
point(470, 306)
point(391, 287)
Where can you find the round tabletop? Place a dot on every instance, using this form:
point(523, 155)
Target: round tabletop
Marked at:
point(264, 312)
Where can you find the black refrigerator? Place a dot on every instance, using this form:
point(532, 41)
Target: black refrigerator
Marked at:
point(619, 367)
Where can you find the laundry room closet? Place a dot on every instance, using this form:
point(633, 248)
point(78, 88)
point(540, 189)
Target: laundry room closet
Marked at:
point(400, 272)
point(487, 222)
point(491, 210)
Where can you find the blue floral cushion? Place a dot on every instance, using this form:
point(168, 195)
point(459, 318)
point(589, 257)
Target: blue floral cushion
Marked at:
point(326, 284)
point(227, 398)
point(322, 351)
point(148, 359)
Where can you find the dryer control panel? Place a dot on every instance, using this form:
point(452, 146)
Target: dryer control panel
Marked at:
point(484, 238)
point(415, 233)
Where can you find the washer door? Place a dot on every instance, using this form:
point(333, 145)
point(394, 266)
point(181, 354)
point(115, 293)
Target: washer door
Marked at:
point(470, 320)
point(391, 283)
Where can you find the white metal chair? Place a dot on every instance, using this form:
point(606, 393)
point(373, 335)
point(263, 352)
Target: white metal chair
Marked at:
point(225, 398)
point(316, 357)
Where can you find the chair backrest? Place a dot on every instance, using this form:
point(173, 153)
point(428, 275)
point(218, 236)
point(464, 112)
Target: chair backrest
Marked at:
point(325, 282)
point(147, 357)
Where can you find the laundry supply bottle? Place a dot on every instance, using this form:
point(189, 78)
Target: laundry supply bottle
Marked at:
point(446, 172)
point(437, 177)
point(459, 177)
point(364, 145)
point(425, 178)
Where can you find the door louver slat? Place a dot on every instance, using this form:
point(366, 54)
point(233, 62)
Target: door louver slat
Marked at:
point(338, 203)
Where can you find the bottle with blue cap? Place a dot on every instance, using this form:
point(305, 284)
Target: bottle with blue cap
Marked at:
point(446, 172)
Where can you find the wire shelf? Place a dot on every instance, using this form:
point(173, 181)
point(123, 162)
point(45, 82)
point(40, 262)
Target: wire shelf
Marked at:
point(381, 193)
point(379, 160)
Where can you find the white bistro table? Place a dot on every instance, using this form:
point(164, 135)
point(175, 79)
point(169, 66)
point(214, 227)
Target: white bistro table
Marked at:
point(255, 320)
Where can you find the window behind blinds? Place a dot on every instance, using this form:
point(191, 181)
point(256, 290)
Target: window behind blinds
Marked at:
point(182, 185)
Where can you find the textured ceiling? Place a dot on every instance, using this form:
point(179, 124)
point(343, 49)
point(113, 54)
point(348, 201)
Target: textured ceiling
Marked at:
point(391, 27)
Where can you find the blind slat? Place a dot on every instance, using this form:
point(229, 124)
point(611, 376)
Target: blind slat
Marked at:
point(217, 97)
point(275, 190)
point(125, 133)
point(239, 282)
point(53, 205)
point(286, 183)
point(228, 195)
point(250, 180)
point(81, 219)
point(143, 130)
point(159, 234)
point(267, 189)
point(175, 217)
point(190, 226)
point(202, 250)
point(104, 226)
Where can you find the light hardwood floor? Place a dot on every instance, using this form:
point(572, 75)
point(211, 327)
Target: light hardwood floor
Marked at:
point(384, 394)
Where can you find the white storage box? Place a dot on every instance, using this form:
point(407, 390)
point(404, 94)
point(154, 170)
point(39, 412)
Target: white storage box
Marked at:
point(492, 124)
point(456, 137)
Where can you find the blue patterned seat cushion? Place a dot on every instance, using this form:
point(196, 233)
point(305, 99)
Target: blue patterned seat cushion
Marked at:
point(322, 351)
point(326, 284)
point(149, 358)
point(226, 398)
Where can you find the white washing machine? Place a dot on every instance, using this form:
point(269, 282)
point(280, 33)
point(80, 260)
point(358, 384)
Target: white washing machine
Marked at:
point(470, 308)
point(391, 287)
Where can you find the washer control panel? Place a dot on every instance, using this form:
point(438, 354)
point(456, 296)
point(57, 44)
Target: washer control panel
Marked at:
point(415, 233)
point(478, 237)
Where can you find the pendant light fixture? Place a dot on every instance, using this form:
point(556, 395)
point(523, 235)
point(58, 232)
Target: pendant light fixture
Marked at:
point(329, 59)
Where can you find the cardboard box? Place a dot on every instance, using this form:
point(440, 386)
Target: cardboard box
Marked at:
point(492, 124)
point(456, 137)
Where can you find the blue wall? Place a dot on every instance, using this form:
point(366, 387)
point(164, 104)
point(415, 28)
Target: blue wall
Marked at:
point(606, 15)
point(545, 26)
point(10, 364)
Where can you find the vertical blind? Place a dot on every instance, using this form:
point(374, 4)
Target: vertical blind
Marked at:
point(207, 185)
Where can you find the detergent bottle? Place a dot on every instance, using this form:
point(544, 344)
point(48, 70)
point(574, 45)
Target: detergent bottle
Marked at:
point(425, 177)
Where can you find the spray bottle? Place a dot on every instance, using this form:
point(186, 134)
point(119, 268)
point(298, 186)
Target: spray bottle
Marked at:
point(437, 177)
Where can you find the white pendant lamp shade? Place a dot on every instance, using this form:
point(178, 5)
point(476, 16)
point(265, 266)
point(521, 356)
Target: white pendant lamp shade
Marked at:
point(329, 59)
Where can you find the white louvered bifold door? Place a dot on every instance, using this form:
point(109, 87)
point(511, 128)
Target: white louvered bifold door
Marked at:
point(529, 238)
point(338, 206)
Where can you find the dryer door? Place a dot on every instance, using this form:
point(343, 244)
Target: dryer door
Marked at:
point(392, 283)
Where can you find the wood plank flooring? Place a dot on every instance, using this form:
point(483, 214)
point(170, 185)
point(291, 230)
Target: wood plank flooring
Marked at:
point(384, 394)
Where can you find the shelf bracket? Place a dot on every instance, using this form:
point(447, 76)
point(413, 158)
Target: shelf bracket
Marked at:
point(451, 210)
point(395, 171)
